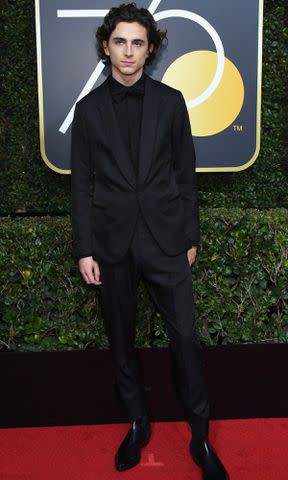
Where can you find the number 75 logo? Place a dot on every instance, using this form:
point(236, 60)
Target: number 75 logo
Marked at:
point(215, 61)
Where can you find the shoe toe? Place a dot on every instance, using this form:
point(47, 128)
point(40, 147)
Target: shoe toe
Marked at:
point(207, 459)
point(125, 461)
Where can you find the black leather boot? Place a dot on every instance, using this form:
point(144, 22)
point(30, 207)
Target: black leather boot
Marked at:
point(202, 453)
point(129, 452)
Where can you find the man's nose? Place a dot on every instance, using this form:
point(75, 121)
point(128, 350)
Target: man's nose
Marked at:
point(128, 50)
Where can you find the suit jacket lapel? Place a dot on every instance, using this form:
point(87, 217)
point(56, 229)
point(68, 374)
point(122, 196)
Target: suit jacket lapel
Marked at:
point(148, 131)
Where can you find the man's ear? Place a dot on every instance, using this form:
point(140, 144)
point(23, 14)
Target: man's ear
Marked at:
point(105, 47)
point(150, 48)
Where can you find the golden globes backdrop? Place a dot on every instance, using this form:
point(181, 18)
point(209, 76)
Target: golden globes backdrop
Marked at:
point(213, 56)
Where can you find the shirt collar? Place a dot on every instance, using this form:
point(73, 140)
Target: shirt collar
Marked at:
point(116, 86)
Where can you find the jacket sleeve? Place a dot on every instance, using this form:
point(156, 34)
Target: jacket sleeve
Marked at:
point(81, 188)
point(184, 165)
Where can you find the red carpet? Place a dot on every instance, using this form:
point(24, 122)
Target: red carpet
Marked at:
point(253, 449)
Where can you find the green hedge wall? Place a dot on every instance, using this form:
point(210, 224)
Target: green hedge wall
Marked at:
point(239, 280)
point(27, 184)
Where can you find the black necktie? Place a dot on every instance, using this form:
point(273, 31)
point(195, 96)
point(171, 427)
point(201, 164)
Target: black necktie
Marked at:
point(134, 90)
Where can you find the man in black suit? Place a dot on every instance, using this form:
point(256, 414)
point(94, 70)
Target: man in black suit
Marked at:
point(135, 215)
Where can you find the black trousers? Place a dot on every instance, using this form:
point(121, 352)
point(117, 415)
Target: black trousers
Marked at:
point(168, 280)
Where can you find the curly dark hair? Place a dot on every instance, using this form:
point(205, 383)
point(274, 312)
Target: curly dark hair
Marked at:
point(129, 13)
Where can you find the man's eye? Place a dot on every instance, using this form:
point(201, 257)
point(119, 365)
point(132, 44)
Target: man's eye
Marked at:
point(119, 41)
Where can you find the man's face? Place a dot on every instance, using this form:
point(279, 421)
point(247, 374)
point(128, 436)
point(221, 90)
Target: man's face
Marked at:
point(128, 47)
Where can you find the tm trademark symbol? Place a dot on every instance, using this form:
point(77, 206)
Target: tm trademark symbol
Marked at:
point(237, 128)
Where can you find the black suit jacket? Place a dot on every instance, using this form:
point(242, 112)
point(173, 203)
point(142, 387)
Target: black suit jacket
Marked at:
point(105, 192)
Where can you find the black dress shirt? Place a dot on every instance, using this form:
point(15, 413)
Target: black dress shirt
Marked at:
point(127, 103)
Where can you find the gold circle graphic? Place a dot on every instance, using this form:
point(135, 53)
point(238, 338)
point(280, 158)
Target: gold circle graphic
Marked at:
point(192, 73)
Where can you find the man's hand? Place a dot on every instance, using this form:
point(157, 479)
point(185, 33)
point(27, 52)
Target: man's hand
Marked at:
point(89, 270)
point(191, 254)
